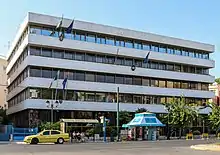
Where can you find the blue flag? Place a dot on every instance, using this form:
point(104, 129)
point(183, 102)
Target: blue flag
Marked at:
point(64, 83)
point(69, 29)
point(146, 58)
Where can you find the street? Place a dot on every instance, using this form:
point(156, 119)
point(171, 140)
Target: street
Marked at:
point(177, 147)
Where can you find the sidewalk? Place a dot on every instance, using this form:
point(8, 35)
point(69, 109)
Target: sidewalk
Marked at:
point(206, 147)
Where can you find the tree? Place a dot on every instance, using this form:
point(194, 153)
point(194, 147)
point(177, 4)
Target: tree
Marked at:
point(140, 110)
point(3, 116)
point(124, 117)
point(217, 80)
point(214, 116)
point(48, 126)
point(180, 115)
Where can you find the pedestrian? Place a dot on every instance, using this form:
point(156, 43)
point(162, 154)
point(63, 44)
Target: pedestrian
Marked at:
point(71, 136)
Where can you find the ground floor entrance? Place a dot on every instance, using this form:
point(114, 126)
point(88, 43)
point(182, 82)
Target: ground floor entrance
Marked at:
point(32, 117)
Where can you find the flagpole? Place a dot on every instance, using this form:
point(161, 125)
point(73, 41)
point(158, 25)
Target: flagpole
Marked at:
point(118, 137)
point(51, 106)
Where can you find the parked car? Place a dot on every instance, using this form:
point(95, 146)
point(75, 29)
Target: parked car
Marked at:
point(47, 136)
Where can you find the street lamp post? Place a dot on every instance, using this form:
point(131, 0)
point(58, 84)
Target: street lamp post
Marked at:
point(53, 104)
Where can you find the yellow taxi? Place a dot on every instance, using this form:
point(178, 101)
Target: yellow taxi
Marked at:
point(47, 136)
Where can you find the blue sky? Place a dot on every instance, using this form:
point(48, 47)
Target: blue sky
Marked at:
point(189, 19)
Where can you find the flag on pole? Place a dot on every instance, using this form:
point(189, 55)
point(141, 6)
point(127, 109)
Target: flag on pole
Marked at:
point(55, 79)
point(70, 28)
point(58, 27)
point(64, 83)
point(116, 57)
point(146, 58)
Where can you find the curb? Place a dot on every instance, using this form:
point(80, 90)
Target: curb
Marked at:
point(210, 147)
point(23, 143)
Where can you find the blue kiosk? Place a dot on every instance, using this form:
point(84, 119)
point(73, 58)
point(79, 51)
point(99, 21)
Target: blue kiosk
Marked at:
point(148, 122)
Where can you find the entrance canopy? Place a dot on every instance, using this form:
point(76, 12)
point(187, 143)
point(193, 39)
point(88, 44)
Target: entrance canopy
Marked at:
point(145, 119)
point(95, 121)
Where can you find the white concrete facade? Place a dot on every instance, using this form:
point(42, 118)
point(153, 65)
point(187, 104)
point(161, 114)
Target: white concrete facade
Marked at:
point(47, 41)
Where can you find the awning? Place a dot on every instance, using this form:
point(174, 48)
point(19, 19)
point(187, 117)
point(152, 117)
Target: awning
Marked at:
point(95, 121)
point(145, 119)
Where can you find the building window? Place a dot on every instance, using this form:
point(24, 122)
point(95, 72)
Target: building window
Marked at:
point(170, 67)
point(185, 85)
point(46, 94)
point(90, 57)
point(110, 78)
point(100, 97)
point(162, 100)
point(128, 62)
point(192, 69)
point(100, 78)
point(170, 50)
point(128, 44)
point(90, 38)
point(169, 84)
point(162, 83)
point(35, 51)
point(110, 41)
point(199, 86)
point(185, 69)
point(100, 40)
point(35, 30)
point(147, 99)
point(154, 65)
point(89, 96)
point(137, 45)
point(138, 63)
point(58, 54)
point(69, 55)
point(80, 56)
point(177, 68)
point(137, 81)
point(155, 48)
point(162, 49)
point(80, 76)
point(177, 85)
point(162, 66)
point(120, 61)
point(205, 86)
point(90, 77)
point(146, 47)
point(178, 52)
point(35, 72)
point(128, 98)
point(110, 60)
point(145, 82)
point(128, 80)
point(119, 79)
point(46, 73)
point(137, 99)
point(100, 59)
point(154, 83)
point(193, 85)
point(46, 52)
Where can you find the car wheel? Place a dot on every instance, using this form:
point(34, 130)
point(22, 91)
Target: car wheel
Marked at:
point(60, 140)
point(34, 141)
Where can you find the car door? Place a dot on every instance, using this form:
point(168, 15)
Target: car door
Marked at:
point(45, 137)
point(55, 135)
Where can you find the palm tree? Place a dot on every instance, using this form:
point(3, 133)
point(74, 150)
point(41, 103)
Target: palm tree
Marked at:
point(124, 117)
point(140, 110)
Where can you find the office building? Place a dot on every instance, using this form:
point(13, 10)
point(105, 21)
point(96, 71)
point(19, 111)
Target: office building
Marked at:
point(97, 60)
point(3, 82)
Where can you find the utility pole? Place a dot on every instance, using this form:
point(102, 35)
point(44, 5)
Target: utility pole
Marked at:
point(118, 137)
